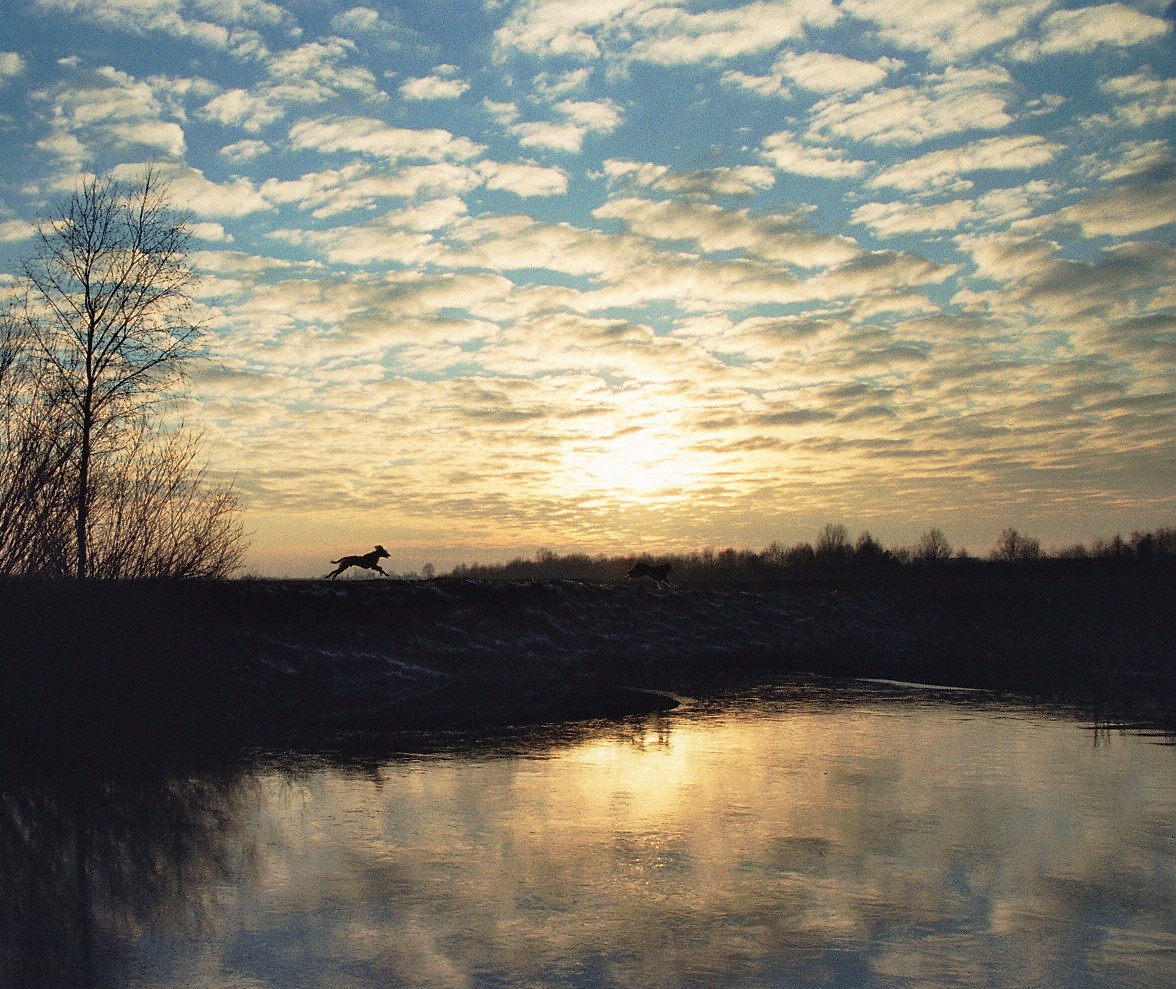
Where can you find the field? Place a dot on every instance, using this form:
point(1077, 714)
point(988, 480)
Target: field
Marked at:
point(258, 662)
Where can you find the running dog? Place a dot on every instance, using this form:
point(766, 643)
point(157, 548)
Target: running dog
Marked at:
point(659, 575)
point(369, 561)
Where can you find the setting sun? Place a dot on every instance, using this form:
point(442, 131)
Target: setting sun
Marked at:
point(637, 464)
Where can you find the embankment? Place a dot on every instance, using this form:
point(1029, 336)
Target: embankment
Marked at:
point(252, 661)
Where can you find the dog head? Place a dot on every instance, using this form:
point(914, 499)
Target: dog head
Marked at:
point(381, 553)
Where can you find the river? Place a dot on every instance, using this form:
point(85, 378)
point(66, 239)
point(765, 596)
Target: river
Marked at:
point(807, 833)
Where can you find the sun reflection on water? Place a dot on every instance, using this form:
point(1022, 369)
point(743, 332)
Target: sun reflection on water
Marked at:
point(875, 843)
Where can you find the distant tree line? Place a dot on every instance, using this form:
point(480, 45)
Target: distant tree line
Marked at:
point(834, 552)
point(93, 483)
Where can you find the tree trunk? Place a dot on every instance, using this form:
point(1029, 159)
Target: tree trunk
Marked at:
point(83, 513)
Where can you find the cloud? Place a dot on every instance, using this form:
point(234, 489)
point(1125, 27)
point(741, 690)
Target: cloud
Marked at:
point(552, 86)
point(1131, 159)
point(380, 29)
point(244, 150)
point(316, 71)
point(700, 284)
point(513, 242)
point(583, 117)
point(551, 136)
point(12, 64)
point(1152, 336)
point(631, 271)
point(227, 275)
point(956, 100)
point(757, 337)
point(202, 196)
point(65, 147)
point(15, 230)
point(504, 113)
point(879, 271)
point(999, 206)
point(175, 91)
point(427, 295)
point(168, 137)
point(1124, 281)
point(241, 263)
point(367, 135)
point(828, 73)
point(1079, 31)
point(98, 96)
point(523, 178)
point(684, 278)
point(1124, 211)
point(745, 180)
point(239, 108)
point(581, 343)
point(944, 168)
point(675, 36)
point(441, 84)
point(168, 17)
point(767, 86)
point(665, 33)
point(781, 238)
point(102, 108)
point(384, 241)
point(359, 186)
point(212, 232)
point(891, 219)
point(311, 73)
point(697, 284)
point(788, 154)
point(261, 12)
point(555, 29)
point(948, 32)
point(359, 20)
point(598, 116)
point(1140, 99)
point(309, 320)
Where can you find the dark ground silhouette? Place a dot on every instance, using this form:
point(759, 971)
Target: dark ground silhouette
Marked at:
point(238, 663)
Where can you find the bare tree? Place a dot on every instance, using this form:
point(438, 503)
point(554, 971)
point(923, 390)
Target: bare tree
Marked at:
point(868, 551)
point(833, 543)
point(92, 483)
point(933, 547)
point(34, 458)
point(109, 314)
point(1012, 547)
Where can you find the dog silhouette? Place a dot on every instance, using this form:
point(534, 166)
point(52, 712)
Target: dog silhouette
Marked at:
point(369, 561)
point(659, 575)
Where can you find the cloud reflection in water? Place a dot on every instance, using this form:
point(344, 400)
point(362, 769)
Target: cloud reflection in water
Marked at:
point(885, 842)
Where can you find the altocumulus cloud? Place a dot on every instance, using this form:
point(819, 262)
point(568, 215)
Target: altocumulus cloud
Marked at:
point(640, 275)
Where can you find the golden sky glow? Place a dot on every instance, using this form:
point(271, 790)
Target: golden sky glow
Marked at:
point(643, 275)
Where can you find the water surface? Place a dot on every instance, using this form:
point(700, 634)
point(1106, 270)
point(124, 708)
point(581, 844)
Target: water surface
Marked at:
point(795, 835)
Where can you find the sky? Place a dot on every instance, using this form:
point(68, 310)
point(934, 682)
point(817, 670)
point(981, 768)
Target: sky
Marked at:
point(642, 275)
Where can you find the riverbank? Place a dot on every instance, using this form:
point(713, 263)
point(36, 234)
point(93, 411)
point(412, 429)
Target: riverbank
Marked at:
point(260, 661)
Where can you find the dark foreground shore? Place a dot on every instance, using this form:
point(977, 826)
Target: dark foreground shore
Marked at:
point(238, 663)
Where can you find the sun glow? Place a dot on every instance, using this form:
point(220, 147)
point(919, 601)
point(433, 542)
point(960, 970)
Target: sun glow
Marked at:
point(637, 464)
